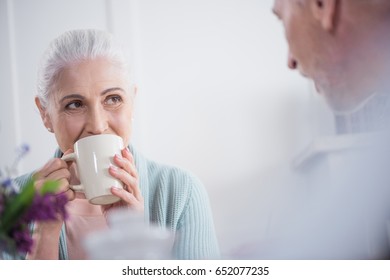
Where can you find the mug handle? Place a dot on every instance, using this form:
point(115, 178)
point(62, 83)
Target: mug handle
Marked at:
point(72, 157)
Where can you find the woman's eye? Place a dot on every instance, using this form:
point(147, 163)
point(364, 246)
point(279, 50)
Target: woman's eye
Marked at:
point(74, 105)
point(113, 100)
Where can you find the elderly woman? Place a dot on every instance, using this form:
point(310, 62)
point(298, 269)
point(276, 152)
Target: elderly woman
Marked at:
point(84, 90)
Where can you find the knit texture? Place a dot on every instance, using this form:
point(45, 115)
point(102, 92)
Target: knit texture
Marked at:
point(174, 199)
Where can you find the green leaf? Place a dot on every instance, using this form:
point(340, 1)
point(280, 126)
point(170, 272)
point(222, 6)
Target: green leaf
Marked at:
point(17, 206)
point(49, 187)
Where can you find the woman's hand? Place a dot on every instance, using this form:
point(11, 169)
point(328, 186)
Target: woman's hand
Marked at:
point(46, 233)
point(126, 172)
point(56, 170)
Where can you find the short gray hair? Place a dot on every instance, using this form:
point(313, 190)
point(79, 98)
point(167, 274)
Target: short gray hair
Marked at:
point(71, 47)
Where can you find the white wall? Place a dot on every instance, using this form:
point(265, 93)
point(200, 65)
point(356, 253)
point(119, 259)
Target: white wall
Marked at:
point(215, 95)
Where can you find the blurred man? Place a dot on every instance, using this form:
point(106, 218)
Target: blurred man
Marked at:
point(343, 46)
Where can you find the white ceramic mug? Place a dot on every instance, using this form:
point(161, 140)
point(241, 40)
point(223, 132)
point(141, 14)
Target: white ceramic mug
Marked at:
point(93, 156)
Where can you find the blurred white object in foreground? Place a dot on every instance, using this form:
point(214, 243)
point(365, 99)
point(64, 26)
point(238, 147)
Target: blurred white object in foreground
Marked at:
point(129, 237)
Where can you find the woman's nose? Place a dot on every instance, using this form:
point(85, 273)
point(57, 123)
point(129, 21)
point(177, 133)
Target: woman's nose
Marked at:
point(97, 122)
point(292, 63)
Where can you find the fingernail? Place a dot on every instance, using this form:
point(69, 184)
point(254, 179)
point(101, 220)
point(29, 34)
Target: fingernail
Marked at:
point(119, 157)
point(114, 168)
point(129, 154)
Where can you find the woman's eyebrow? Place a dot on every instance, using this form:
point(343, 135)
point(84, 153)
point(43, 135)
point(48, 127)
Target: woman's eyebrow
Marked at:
point(72, 96)
point(112, 89)
point(79, 96)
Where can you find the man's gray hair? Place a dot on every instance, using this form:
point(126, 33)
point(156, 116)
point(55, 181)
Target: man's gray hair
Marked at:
point(71, 47)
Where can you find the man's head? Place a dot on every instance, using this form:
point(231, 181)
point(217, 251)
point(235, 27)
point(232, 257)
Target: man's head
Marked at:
point(342, 45)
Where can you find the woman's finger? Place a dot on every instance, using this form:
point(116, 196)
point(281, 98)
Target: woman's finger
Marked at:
point(125, 168)
point(129, 181)
point(129, 198)
point(125, 162)
point(50, 167)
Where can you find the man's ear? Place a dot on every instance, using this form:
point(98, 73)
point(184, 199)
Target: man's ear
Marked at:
point(325, 12)
point(44, 114)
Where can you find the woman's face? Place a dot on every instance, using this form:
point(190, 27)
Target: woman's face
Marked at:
point(89, 98)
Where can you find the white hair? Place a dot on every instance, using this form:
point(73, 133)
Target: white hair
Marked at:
point(71, 47)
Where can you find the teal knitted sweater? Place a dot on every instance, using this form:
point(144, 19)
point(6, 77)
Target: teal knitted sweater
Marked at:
point(174, 199)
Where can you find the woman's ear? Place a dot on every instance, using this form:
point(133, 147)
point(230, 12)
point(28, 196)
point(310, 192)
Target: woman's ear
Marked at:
point(325, 12)
point(44, 115)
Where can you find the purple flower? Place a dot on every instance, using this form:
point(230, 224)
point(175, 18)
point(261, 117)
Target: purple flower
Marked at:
point(24, 148)
point(6, 183)
point(22, 238)
point(47, 207)
point(22, 151)
point(61, 200)
point(20, 207)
